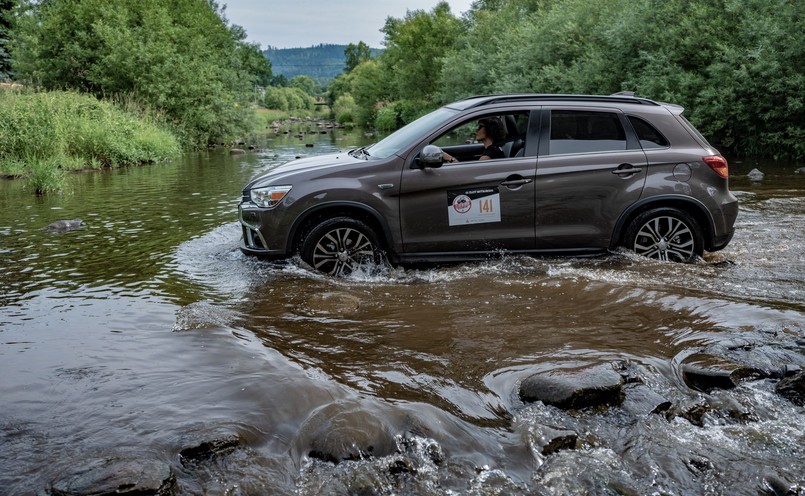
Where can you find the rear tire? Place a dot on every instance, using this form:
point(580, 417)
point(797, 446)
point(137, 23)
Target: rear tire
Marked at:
point(665, 234)
point(340, 246)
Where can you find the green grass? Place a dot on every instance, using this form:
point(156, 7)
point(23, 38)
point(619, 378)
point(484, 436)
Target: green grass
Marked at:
point(264, 116)
point(44, 134)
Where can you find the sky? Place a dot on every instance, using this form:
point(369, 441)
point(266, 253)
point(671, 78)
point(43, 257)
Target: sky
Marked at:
point(304, 23)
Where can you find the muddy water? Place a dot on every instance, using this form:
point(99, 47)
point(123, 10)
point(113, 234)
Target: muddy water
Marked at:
point(146, 340)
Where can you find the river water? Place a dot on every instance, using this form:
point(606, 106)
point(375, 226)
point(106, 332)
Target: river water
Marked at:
point(146, 340)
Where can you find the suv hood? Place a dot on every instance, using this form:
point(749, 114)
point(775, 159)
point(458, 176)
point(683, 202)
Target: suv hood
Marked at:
point(319, 163)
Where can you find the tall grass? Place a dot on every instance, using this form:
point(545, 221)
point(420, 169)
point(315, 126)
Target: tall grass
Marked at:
point(44, 134)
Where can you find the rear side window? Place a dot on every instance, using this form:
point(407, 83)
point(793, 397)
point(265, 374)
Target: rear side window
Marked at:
point(576, 131)
point(647, 134)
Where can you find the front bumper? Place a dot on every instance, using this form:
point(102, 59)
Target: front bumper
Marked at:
point(254, 242)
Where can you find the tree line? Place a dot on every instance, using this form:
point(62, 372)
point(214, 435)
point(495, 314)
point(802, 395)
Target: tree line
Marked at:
point(736, 65)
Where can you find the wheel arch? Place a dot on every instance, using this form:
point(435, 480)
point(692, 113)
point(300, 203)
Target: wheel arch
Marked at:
point(319, 213)
point(685, 203)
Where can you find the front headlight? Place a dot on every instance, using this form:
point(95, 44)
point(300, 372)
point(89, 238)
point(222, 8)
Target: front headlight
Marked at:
point(269, 196)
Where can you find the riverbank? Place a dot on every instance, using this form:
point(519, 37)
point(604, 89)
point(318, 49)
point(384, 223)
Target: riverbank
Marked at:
point(45, 134)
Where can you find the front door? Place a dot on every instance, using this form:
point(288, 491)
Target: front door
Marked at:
point(483, 205)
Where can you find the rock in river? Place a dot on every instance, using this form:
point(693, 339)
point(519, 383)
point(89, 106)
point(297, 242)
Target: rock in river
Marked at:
point(755, 175)
point(574, 388)
point(344, 431)
point(64, 225)
point(793, 388)
point(704, 372)
point(640, 400)
point(115, 476)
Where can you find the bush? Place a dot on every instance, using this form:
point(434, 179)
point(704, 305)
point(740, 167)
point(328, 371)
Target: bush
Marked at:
point(386, 119)
point(344, 109)
point(44, 133)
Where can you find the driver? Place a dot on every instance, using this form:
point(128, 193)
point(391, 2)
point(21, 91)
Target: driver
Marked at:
point(490, 131)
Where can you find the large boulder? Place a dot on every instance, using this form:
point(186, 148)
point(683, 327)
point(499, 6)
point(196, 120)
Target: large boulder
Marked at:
point(575, 388)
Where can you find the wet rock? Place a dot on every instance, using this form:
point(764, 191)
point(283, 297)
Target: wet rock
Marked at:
point(791, 369)
point(333, 303)
point(775, 486)
point(208, 449)
point(692, 412)
point(549, 440)
point(237, 151)
point(698, 465)
point(428, 448)
point(574, 388)
point(765, 360)
point(309, 145)
point(64, 225)
point(793, 388)
point(755, 175)
point(727, 406)
point(115, 476)
point(704, 372)
point(801, 170)
point(340, 432)
point(639, 399)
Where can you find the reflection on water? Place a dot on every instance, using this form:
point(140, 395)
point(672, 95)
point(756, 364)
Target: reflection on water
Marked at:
point(147, 335)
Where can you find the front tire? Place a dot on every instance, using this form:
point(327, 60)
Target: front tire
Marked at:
point(340, 246)
point(665, 234)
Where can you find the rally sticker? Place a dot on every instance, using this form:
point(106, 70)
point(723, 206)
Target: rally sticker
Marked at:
point(473, 206)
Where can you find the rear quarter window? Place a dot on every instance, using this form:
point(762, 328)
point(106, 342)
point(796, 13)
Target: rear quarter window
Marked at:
point(647, 134)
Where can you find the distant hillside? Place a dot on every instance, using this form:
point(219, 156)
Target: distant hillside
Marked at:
point(321, 62)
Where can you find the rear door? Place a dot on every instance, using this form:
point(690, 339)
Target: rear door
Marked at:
point(589, 170)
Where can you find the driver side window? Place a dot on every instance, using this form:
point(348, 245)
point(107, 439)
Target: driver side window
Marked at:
point(463, 141)
point(464, 134)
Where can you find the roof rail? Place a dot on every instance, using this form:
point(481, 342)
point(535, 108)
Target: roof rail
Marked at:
point(622, 97)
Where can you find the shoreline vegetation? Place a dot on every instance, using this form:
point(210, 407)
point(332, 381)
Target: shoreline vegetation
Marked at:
point(45, 134)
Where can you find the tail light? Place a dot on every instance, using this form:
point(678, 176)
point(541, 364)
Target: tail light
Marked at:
point(718, 164)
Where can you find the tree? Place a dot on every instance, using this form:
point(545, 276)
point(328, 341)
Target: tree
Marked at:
point(280, 81)
point(6, 10)
point(355, 54)
point(306, 84)
point(368, 86)
point(415, 47)
point(179, 56)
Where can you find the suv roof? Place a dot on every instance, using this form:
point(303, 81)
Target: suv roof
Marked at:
point(481, 100)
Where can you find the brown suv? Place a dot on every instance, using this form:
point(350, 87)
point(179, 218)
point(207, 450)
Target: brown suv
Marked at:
point(571, 174)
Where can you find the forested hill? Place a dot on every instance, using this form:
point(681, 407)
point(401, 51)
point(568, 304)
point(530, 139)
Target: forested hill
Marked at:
point(321, 62)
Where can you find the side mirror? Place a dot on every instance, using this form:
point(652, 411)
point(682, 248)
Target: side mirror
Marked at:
point(431, 156)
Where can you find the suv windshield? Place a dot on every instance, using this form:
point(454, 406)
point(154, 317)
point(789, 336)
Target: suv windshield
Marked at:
point(398, 140)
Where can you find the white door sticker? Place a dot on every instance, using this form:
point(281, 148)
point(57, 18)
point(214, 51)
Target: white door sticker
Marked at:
point(473, 206)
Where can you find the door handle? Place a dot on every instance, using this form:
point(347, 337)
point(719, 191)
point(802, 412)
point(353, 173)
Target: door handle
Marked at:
point(626, 170)
point(513, 183)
